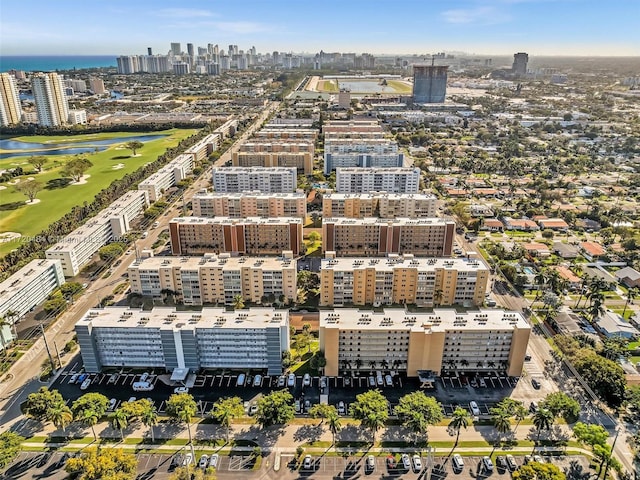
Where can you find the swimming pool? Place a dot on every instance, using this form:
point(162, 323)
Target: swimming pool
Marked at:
point(528, 270)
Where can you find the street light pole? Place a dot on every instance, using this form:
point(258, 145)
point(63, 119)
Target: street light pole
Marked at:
point(44, 337)
point(613, 446)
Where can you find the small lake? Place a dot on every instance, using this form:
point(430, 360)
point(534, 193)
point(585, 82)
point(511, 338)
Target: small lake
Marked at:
point(65, 148)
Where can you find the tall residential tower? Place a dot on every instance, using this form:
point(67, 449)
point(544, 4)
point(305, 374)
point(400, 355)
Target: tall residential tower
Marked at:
point(10, 108)
point(429, 83)
point(50, 99)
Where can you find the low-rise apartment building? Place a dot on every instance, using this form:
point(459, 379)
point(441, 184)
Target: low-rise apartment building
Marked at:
point(403, 279)
point(379, 204)
point(298, 154)
point(25, 289)
point(237, 236)
point(163, 338)
point(248, 179)
point(249, 204)
point(356, 237)
point(376, 152)
point(168, 176)
point(390, 180)
point(77, 248)
point(215, 279)
point(441, 341)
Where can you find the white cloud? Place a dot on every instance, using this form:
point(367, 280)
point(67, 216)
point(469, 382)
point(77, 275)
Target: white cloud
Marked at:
point(486, 15)
point(183, 13)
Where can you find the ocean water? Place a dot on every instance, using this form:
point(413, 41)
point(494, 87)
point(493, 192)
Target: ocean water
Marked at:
point(49, 63)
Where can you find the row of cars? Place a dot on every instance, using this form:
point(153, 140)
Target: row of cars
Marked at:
point(187, 459)
point(83, 379)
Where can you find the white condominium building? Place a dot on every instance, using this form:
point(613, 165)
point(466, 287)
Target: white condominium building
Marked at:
point(175, 341)
point(365, 180)
point(10, 107)
point(379, 204)
point(215, 279)
point(50, 99)
point(249, 204)
point(248, 179)
point(168, 176)
point(403, 279)
point(423, 343)
point(77, 248)
point(377, 152)
point(27, 288)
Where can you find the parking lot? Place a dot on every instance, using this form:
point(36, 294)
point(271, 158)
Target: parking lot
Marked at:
point(206, 389)
point(157, 466)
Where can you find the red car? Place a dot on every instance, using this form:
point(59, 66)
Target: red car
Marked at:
point(391, 462)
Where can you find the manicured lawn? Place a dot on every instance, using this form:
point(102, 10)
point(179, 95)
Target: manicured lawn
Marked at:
point(327, 86)
point(399, 86)
point(108, 166)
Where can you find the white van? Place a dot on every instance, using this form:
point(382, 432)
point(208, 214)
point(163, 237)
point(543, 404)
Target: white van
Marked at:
point(142, 387)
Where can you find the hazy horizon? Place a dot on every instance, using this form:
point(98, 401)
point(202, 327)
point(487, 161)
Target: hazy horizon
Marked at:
point(563, 28)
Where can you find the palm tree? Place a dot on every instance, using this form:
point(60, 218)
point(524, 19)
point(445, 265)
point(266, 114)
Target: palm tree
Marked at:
point(583, 287)
point(119, 420)
point(238, 302)
point(182, 407)
point(459, 420)
point(542, 419)
point(225, 410)
point(60, 416)
point(358, 363)
point(149, 418)
point(333, 421)
point(500, 420)
point(372, 364)
point(90, 419)
point(384, 364)
point(519, 413)
point(596, 309)
point(631, 294)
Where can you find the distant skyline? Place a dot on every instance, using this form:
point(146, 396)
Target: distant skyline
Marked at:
point(483, 27)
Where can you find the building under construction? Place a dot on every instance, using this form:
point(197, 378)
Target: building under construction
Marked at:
point(429, 83)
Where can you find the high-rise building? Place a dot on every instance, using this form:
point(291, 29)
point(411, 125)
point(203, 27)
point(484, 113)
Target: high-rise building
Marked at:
point(128, 64)
point(190, 52)
point(520, 61)
point(429, 83)
point(10, 108)
point(149, 51)
point(176, 49)
point(276, 153)
point(97, 85)
point(366, 180)
point(249, 204)
point(247, 179)
point(50, 99)
point(379, 204)
point(444, 340)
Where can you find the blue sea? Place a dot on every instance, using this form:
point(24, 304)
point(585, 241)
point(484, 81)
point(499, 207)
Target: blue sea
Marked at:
point(49, 63)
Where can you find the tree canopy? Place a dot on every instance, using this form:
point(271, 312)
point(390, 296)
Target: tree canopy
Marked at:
point(39, 404)
point(418, 411)
point(10, 444)
point(90, 402)
point(371, 408)
point(30, 188)
point(275, 408)
point(103, 463)
point(182, 406)
point(561, 405)
point(75, 168)
point(538, 471)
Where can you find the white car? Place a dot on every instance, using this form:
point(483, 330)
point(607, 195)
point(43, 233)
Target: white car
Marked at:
point(406, 463)
point(475, 410)
point(388, 380)
point(257, 380)
point(342, 409)
point(291, 380)
point(213, 460)
point(417, 463)
point(85, 384)
point(241, 379)
point(74, 378)
point(306, 464)
point(457, 461)
point(306, 380)
point(143, 377)
point(132, 399)
point(181, 390)
point(282, 380)
point(112, 404)
point(188, 460)
point(253, 409)
point(204, 461)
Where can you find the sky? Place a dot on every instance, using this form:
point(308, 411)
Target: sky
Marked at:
point(498, 27)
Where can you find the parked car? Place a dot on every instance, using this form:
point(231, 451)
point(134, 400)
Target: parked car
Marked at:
point(457, 461)
point(406, 462)
point(142, 387)
point(253, 409)
point(417, 463)
point(527, 459)
point(511, 462)
point(291, 380)
point(379, 379)
point(538, 458)
point(132, 399)
point(176, 461)
point(323, 382)
point(388, 380)
point(487, 464)
point(187, 460)
point(306, 380)
point(85, 384)
point(112, 378)
point(372, 381)
point(143, 377)
point(241, 379)
point(82, 377)
point(282, 380)
point(391, 462)
point(535, 383)
point(213, 460)
point(257, 381)
point(204, 461)
point(112, 403)
point(370, 465)
point(74, 378)
point(482, 383)
point(501, 461)
point(181, 390)
point(474, 408)
point(308, 461)
point(296, 404)
point(346, 381)
point(342, 410)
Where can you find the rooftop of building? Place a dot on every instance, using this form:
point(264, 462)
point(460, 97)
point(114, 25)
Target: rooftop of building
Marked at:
point(223, 261)
point(377, 170)
point(250, 193)
point(384, 221)
point(437, 321)
point(370, 195)
point(236, 221)
point(395, 261)
point(169, 318)
point(16, 282)
point(269, 170)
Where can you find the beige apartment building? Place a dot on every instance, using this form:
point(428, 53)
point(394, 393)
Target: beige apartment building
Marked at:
point(403, 279)
point(441, 341)
point(237, 236)
point(216, 279)
point(297, 154)
point(356, 237)
point(249, 204)
point(379, 204)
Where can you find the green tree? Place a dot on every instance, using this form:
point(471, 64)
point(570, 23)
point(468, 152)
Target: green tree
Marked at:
point(590, 434)
point(111, 251)
point(561, 405)
point(134, 146)
point(631, 294)
point(538, 471)
point(460, 419)
point(500, 420)
point(322, 410)
point(238, 302)
point(372, 409)
point(10, 444)
point(542, 420)
point(103, 463)
point(119, 420)
point(275, 408)
point(38, 162)
point(225, 410)
point(60, 415)
point(314, 237)
point(89, 408)
point(149, 415)
point(182, 407)
point(605, 377)
point(418, 411)
point(29, 189)
point(75, 168)
point(39, 404)
point(335, 425)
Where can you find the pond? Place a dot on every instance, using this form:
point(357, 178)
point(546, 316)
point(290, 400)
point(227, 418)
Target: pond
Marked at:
point(65, 148)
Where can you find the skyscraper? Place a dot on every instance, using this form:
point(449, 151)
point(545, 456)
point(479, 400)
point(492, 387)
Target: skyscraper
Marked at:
point(50, 99)
point(190, 51)
point(520, 61)
point(176, 48)
point(10, 108)
point(149, 51)
point(429, 83)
